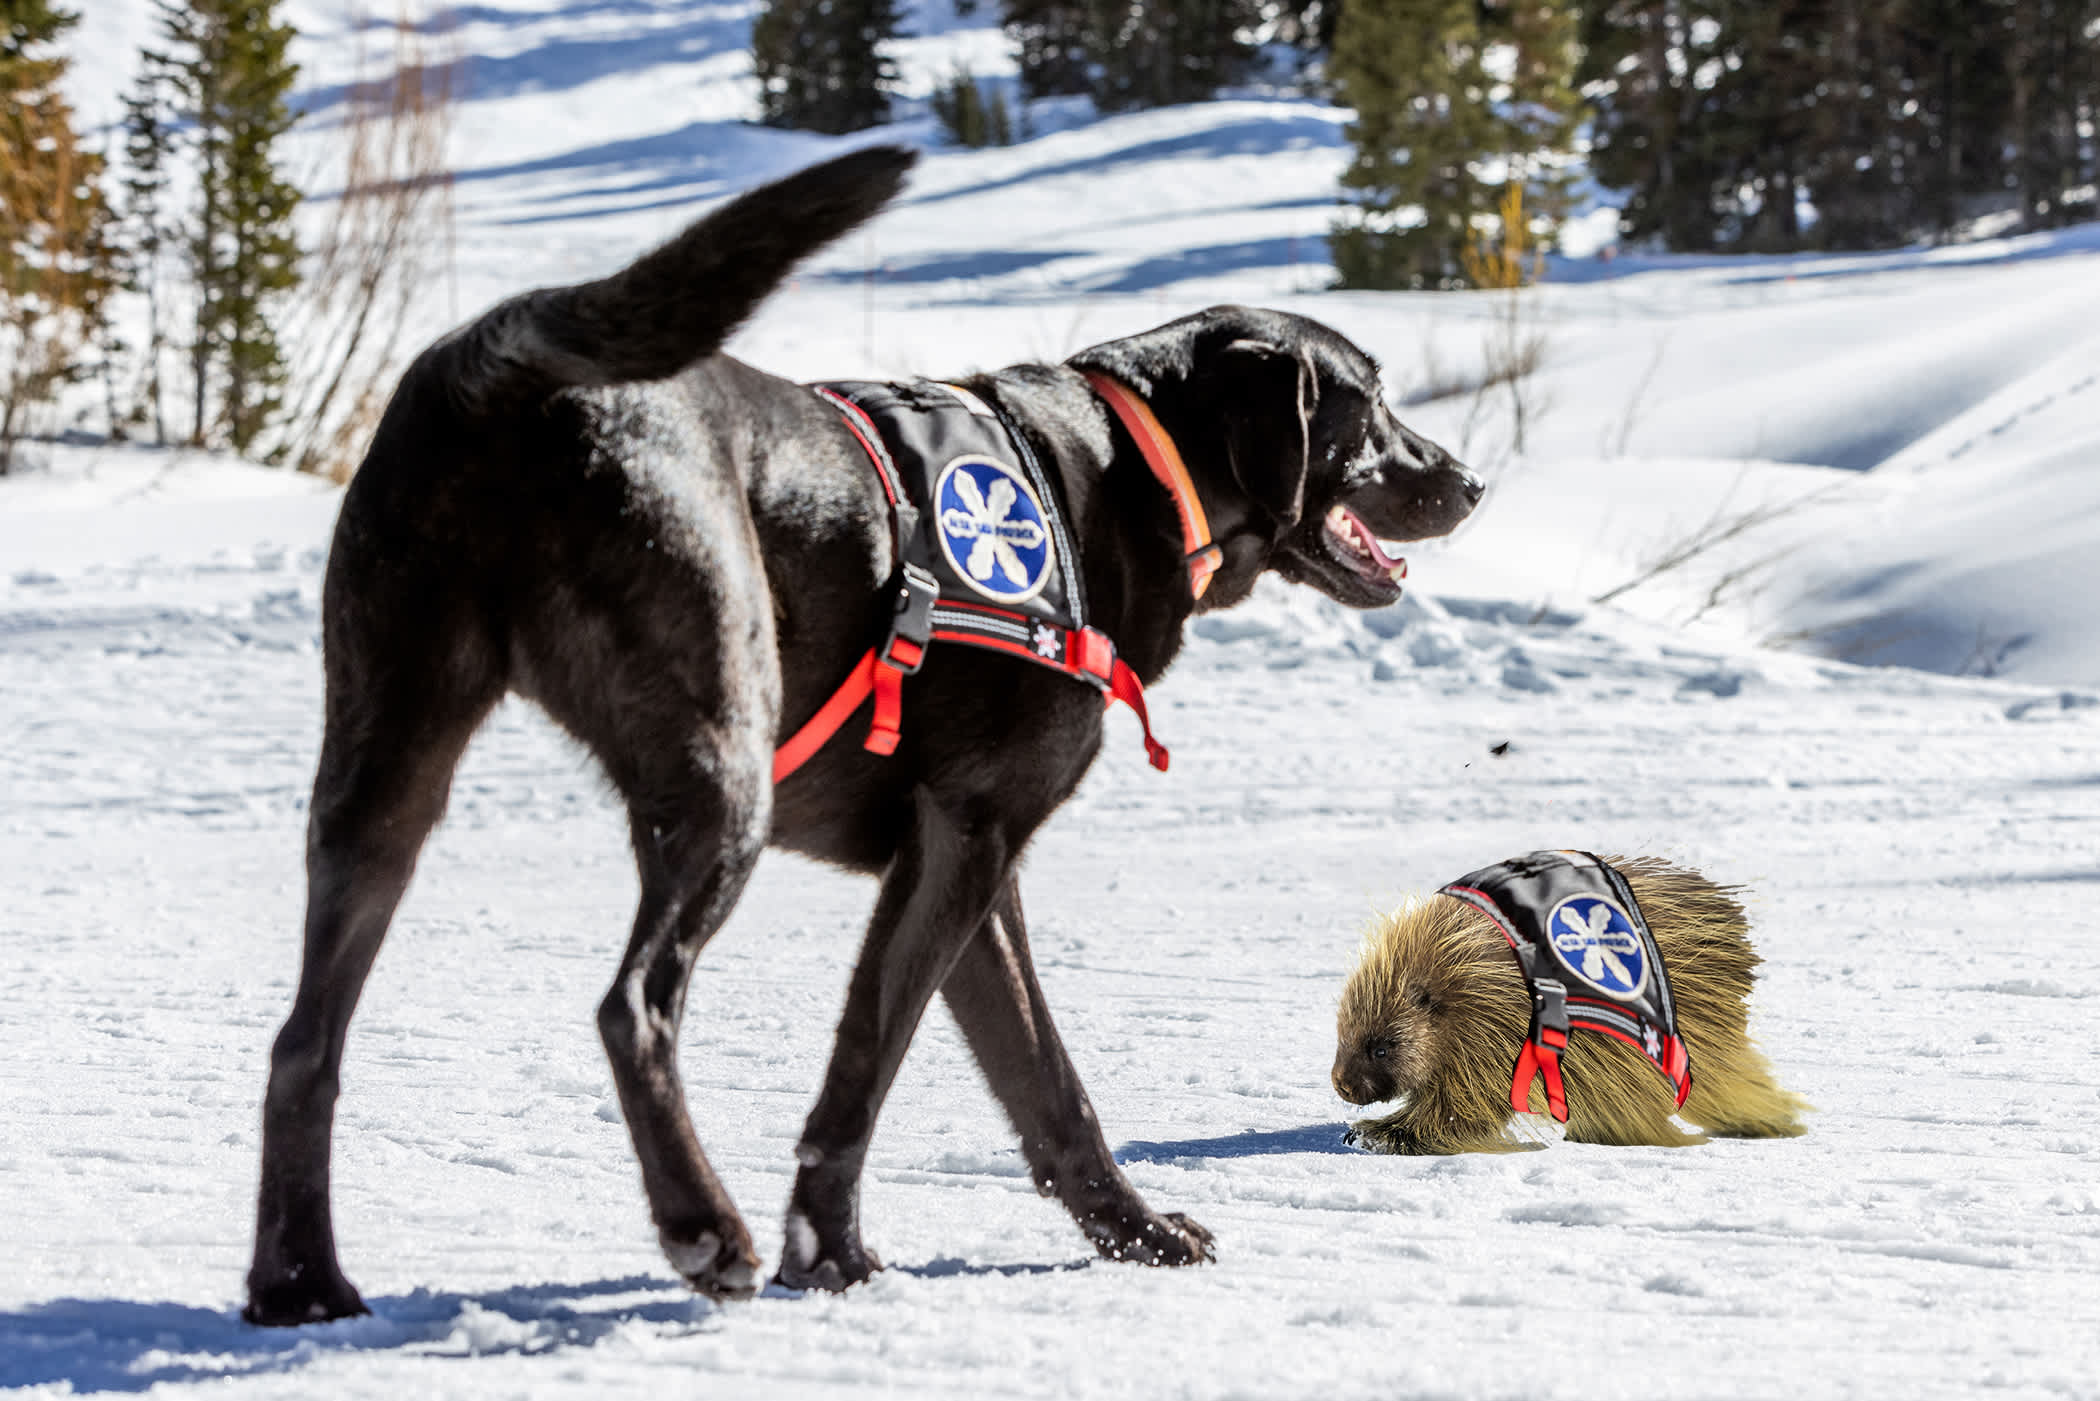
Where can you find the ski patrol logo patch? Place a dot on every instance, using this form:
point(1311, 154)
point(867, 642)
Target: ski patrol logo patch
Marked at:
point(991, 528)
point(1594, 940)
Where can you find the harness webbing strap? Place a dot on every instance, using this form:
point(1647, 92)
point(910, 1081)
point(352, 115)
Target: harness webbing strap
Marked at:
point(1157, 448)
point(830, 716)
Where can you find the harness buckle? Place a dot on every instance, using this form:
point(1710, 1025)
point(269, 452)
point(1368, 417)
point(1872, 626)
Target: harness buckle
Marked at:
point(912, 623)
point(1549, 1008)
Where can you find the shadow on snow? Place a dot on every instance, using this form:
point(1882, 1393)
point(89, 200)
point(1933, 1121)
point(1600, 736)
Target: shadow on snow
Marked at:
point(1313, 1138)
point(106, 1345)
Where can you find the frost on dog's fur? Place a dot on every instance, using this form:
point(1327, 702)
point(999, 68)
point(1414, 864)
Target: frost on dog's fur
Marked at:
point(1436, 1014)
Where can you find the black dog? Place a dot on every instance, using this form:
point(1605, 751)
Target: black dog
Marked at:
point(577, 500)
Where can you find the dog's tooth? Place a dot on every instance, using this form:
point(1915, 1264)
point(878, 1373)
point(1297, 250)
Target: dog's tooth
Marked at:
point(1397, 572)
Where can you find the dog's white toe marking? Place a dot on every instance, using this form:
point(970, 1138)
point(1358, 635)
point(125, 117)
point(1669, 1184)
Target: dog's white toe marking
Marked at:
point(694, 1259)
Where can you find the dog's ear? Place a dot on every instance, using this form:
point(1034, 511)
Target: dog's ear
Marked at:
point(1266, 395)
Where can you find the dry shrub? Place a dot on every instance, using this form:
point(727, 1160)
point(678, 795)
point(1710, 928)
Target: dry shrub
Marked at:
point(1514, 345)
point(389, 237)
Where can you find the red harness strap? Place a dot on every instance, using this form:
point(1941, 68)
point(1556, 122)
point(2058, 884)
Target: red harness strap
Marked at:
point(1086, 654)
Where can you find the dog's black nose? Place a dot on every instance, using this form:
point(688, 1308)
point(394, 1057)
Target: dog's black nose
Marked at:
point(1474, 487)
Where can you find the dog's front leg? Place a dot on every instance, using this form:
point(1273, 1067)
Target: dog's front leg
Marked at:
point(935, 894)
point(999, 1006)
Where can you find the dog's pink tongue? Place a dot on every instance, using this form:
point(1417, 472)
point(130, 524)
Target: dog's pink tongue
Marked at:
point(1370, 542)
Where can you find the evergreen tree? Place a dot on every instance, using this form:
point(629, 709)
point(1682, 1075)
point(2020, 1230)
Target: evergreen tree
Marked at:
point(1455, 100)
point(55, 257)
point(1152, 53)
point(1050, 41)
point(149, 146)
point(227, 71)
point(820, 63)
point(1644, 63)
point(970, 114)
point(1890, 119)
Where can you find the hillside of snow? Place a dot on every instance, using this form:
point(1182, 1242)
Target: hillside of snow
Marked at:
point(1846, 514)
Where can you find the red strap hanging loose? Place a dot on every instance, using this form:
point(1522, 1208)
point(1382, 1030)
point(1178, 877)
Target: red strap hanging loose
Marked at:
point(883, 731)
point(1549, 1071)
point(1123, 685)
point(1540, 1057)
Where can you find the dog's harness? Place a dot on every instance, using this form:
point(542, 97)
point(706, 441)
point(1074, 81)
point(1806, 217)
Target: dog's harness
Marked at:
point(1590, 962)
point(984, 555)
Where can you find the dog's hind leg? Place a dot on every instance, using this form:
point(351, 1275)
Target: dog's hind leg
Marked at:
point(398, 717)
point(999, 1006)
point(949, 867)
point(695, 851)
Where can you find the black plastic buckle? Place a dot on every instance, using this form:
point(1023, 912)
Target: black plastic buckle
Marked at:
point(917, 592)
point(1549, 1006)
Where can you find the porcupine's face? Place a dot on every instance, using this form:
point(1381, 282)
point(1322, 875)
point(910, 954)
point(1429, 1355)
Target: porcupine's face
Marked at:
point(1390, 1038)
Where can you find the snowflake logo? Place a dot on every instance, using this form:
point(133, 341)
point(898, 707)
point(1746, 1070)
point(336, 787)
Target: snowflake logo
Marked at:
point(1652, 1041)
point(992, 529)
point(1595, 941)
point(1048, 645)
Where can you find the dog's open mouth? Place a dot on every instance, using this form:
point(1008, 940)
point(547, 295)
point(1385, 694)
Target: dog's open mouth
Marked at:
point(1353, 544)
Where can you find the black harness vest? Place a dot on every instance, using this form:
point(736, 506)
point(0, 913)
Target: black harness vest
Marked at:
point(985, 557)
point(1589, 960)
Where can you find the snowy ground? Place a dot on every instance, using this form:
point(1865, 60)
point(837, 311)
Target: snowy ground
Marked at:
point(1914, 843)
point(1924, 845)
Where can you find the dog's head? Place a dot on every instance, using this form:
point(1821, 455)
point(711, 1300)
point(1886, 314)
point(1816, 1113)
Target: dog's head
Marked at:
point(1301, 465)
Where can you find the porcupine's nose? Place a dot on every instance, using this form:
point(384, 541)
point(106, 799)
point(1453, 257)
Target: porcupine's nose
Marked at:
point(1346, 1084)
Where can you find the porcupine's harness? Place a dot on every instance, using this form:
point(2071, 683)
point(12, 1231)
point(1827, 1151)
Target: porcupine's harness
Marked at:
point(984, 557)
point(1589, 960)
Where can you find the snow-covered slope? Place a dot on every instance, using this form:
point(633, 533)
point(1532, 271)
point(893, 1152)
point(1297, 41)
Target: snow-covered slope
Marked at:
point(1890, 458)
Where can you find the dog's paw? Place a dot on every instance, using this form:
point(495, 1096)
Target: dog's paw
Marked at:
point(714, 1267)
point(1167, 1238)
point(289, 1303)
point(806, 1262)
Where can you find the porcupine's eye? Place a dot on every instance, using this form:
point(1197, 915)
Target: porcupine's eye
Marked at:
point(1380, 1049)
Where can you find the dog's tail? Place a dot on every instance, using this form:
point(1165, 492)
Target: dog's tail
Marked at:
point(670, 307)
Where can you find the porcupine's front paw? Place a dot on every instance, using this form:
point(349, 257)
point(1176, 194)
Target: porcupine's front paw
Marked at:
point(1392, 1134)
point(1374, 1136)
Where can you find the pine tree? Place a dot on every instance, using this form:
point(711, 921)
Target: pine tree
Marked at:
point(1438, 136)
point(55, 255)
point(820, 63)
point(1050, 42)
point(1152, 53)
point(971, 114)
point(228, 72)
point(1891, 119)
point(149, 146)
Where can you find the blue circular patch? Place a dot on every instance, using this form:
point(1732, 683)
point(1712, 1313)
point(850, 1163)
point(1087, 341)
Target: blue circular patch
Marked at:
point(1596, 942)
point(991, 527)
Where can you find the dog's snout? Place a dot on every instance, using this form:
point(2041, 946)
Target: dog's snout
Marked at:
point(1473, 486)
